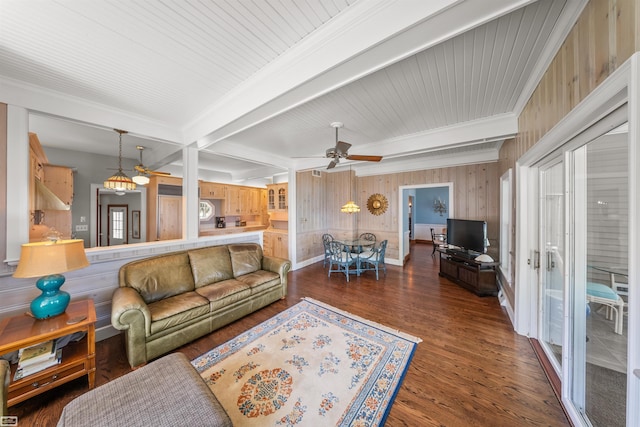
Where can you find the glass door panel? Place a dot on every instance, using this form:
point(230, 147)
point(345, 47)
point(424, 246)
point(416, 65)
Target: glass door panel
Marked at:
point(601, 203)
point(552, 262)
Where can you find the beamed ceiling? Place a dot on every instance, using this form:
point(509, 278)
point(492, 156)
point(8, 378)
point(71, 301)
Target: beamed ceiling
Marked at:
point(255, 84)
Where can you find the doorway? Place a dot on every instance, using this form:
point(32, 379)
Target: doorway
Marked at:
point(407, 230)
point(580, 306)
point(117, 225)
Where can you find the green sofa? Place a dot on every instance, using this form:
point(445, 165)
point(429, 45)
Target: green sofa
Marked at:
point(168, 300)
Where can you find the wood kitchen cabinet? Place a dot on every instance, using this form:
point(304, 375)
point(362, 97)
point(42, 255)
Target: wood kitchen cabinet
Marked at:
point(50, 192)
point(277, 197)
point(164, 208)
point(275, 244)
point(212, 190)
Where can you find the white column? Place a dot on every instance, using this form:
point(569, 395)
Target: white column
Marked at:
point(190, 217)
point(17, 181)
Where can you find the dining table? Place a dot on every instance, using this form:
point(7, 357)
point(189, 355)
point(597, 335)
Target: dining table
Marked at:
point(356, 247)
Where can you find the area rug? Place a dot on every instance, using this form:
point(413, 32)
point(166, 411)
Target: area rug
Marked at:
point(311, 365)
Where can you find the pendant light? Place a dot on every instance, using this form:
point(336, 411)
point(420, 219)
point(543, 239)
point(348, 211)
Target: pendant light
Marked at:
point(119, 181)
point(140, 178)
point(350, 207)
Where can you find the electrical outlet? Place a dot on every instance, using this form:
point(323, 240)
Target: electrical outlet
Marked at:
point(82, 228)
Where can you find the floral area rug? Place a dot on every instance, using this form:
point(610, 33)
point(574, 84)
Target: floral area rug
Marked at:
point(311, 365)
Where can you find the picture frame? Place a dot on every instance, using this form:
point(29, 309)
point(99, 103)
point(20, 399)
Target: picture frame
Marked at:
point(135, 224)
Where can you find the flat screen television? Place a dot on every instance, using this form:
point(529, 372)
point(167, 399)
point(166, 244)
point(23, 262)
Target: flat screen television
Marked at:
point(468, 235)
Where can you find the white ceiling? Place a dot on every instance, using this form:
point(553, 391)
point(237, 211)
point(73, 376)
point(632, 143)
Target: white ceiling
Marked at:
point(254, 84)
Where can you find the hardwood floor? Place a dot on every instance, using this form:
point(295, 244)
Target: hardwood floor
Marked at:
point(471, 369)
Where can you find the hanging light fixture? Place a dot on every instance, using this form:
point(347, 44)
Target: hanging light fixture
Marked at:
point(119, 181)
point(140, 178)
point(350, 207)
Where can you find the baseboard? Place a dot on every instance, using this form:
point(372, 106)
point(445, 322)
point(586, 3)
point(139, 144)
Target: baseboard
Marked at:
point(106, 332)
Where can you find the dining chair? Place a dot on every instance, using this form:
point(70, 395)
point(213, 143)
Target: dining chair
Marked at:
point(373, 259)
point(367, 241)
point(437, 239)
point(326, 240)
point(342, 259)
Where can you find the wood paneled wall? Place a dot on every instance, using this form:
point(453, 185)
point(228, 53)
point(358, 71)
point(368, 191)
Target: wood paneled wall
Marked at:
point(476, 196)
point(606, 34)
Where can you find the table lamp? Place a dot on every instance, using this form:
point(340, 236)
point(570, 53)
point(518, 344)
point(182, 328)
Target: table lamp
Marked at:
point(47, 260)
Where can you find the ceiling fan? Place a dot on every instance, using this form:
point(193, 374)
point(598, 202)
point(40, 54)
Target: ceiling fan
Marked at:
point(142, 169)
point(340, 151)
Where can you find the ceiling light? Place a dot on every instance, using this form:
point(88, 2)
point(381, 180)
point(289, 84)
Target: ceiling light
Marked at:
point(119, 181)
point(350, 207)
point(140, 179)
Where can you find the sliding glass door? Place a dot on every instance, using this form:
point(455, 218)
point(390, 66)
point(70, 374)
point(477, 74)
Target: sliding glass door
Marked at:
point(552, 219)
point(600, 237)
point(583, 289)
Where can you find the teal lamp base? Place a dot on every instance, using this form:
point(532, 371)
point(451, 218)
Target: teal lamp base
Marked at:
point(53, 301)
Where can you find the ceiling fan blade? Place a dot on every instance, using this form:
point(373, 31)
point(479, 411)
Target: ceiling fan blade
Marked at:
point(160, 173)
point(365, 158)
point(342, 147)
point(332, 164)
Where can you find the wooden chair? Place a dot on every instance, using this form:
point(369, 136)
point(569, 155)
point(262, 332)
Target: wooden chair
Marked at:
point(342, 259)
point(437, 239)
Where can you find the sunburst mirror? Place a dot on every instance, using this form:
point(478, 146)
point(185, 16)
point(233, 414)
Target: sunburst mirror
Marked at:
point(377, 204)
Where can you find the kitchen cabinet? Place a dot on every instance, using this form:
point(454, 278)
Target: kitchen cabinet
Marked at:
point(277, 197)
point(50, 193)
point(164, 208)
point(212, 190)
point(275, 244)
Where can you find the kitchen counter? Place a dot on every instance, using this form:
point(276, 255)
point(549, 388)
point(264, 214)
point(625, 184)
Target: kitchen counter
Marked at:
point(232, 230)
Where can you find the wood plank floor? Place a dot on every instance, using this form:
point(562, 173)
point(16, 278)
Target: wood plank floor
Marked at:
point(470, 370)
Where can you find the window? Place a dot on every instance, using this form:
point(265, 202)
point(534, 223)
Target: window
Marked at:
point(117, 224)
point(506, 225)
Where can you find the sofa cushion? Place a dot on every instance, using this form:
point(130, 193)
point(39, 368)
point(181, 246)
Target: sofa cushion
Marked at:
point(245, 258)
point(260, 279)
point(177, 310)
point(210, 265)
point(159, 277)
point(224, 293)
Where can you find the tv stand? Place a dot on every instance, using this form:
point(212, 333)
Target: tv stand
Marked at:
point(478, 277)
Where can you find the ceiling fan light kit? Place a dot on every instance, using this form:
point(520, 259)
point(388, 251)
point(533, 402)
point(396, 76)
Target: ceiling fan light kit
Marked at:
point(340, 151)
point(142, 177)
point(119, 181)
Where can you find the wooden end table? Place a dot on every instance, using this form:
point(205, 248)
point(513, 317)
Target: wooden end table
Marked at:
point(78, 358)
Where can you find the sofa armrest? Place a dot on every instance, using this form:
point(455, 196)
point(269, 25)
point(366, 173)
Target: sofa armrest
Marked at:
point(5, 377)
point(277, 265)
point(131, 314)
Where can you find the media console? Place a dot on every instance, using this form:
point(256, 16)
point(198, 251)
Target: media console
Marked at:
point(478, 277)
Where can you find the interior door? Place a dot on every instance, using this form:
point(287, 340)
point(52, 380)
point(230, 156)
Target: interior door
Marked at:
point(117, 225)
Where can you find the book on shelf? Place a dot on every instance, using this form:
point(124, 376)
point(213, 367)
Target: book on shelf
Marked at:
point(37, 353)
point(24, 371)
point(37, 358)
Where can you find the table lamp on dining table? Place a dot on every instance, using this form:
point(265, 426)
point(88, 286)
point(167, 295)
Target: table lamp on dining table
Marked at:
point(48, 260)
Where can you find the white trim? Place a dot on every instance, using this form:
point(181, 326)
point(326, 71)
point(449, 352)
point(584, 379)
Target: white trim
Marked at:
point(615, 91)
point(402, 212)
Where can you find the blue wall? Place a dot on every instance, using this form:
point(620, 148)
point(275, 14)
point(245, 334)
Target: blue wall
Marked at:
point(424, 213)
